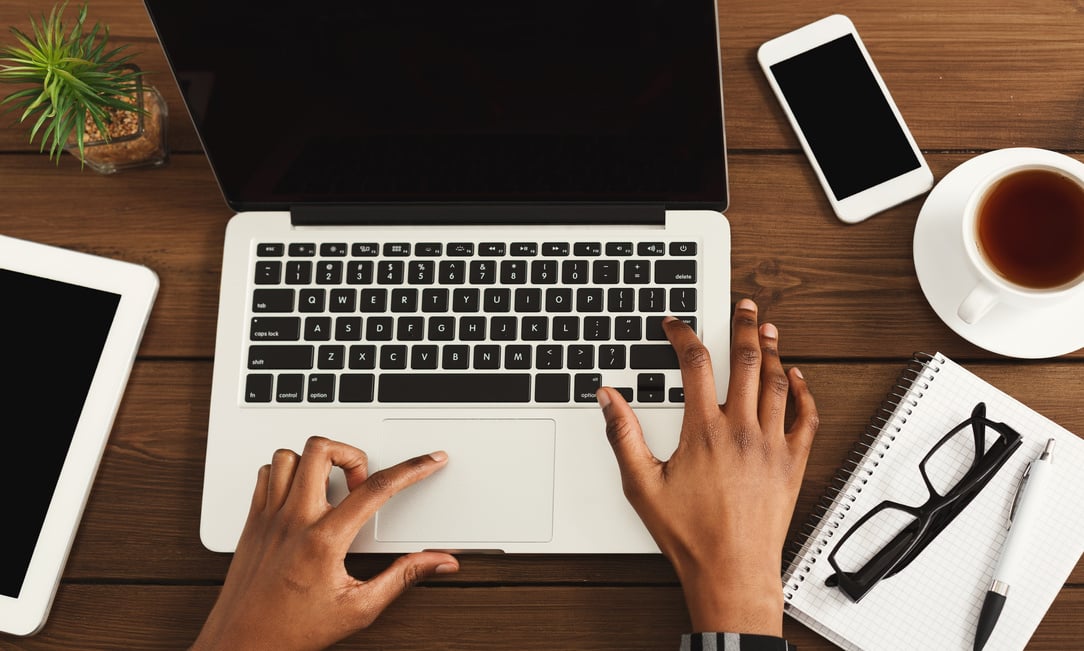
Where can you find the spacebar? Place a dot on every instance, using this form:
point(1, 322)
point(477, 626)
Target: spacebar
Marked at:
point(455, 387)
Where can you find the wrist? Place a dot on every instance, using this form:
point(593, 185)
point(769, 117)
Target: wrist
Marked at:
point(749, 604)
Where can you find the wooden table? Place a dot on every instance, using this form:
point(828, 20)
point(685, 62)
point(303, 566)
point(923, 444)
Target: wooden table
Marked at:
point(968, 75)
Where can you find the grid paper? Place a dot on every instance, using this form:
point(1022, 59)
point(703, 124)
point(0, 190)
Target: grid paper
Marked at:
point(934, 603)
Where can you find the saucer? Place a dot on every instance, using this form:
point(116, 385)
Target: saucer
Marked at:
point(946, 277)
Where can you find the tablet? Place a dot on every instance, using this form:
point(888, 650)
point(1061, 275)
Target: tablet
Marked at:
point(71, 326)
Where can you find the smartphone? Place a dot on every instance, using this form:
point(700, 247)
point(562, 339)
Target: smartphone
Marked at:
point(854, 136)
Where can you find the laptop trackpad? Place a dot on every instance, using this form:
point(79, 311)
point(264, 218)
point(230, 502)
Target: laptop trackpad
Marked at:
point(496, 487)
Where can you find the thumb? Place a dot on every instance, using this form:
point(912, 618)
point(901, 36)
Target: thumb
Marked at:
point(403, 573)
point(634, 458)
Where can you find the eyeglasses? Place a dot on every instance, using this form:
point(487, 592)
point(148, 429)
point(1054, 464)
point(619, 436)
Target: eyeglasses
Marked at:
point(954, 471)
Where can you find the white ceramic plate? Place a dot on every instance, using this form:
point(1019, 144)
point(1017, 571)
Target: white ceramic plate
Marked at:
point(946, 277)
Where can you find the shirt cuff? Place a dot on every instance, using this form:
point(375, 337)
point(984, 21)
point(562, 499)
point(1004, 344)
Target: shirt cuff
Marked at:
point(733, 642)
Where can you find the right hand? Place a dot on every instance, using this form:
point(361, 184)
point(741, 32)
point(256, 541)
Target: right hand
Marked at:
point(720, 507)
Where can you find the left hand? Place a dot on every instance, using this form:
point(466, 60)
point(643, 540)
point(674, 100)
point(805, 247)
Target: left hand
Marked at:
point(287, 586)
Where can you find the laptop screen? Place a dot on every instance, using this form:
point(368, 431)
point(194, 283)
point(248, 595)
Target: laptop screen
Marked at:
point(478, 101)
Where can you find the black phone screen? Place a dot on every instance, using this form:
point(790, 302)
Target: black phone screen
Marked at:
point(845, 117)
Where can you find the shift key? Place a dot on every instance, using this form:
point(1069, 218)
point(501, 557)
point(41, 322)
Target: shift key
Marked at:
point(280, 357)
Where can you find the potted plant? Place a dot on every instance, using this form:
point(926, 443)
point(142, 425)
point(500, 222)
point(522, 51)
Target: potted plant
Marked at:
point(81, 97)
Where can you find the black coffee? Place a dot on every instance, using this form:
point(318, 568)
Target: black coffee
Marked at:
point(1031, 228)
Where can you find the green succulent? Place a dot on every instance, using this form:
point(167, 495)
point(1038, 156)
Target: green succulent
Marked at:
point(70, 76)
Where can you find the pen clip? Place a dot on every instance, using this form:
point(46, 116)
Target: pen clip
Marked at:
point(1019, 492)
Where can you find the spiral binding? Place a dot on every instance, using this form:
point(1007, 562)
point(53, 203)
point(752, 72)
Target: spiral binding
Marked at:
point(865, 455)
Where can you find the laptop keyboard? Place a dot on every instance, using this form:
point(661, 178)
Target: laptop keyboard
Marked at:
point(353, 323)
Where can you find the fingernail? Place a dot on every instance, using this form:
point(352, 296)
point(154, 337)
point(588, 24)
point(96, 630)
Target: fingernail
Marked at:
point(769, 331)
point(447, 568)
point(603, 399)
point(668, 318)
point(798, 372)
point(747, 304)
point(439, 456)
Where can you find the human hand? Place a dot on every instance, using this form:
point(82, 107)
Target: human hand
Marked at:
point(287, 586)
point(720, 507)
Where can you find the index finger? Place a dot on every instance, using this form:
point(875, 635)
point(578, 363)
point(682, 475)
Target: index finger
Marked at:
point(365, 500)
point(694, 359)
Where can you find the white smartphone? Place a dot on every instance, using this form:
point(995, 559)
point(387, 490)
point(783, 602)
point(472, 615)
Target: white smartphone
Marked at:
point(851, 131)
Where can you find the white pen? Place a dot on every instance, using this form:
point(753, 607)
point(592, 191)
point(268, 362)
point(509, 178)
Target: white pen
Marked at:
point(1021, 523)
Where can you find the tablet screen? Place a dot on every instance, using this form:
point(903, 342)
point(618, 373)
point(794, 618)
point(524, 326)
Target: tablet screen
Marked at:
point(54, 334)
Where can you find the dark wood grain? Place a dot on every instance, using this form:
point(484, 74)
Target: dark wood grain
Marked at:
point(968, 76)
point(438, 617)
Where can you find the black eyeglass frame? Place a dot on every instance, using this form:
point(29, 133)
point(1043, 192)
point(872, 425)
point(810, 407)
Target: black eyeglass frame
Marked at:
point(935, 514)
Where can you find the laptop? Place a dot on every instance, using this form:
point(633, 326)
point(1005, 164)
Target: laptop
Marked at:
point(454, 222)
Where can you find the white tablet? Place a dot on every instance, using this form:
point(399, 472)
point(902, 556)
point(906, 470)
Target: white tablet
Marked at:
point(70, 329)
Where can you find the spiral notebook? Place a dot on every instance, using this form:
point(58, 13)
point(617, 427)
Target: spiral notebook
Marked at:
point(934, 602)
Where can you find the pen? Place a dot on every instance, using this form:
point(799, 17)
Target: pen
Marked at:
point(1021, 523)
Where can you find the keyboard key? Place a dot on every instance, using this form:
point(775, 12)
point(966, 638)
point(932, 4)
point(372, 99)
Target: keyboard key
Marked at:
point(652, 356)
point(461, 249)
point(503, 328)
point(258, 387)
point(374, 300)
point(487, 357)
point(302, 250)
point(650, 387)
point(359, 272)
point(318, 328)
point(275, 328)
point(551, 387)
point(637, 272)
point(677, 394)
point(555, 249)
point(682, 248)
point(356, 387)
point(393, 357)
point(378, 328)
point(650, 248)
point(290, 387)
point(581, 357)
point(455, 357)
point(291, 357)
point(517, 357)
point(298, 272)
point(671, 272)
point(611, 356)
point(321, 387)
point(549, 357)
point(596, 328)
point(574, 272)
point(586, 387)
point(268, 272)
point(491, 249)
point(452, 272)
point(544, 272)
point(455, 387)
point(655, 332)
point(587, 248)
point(422, 272)
point(605, 272)
point(397, 249)
point(311, 300)
point(618, 248)
point(270, 250)
point(333, 249)
point(390, 272)
point(424, 357)
point(566, 328)
point(524, 249)
point(428, 249)
point(435, 300)
point(331, 358)
point(362, 357)
point(365, 250)
point(682, 299)
point(343, 300)
point(348, 328)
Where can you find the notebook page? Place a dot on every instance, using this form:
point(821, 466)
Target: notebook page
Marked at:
point(935, 601)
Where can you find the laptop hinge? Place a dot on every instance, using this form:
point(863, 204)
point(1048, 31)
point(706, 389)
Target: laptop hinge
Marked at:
point(466, 214)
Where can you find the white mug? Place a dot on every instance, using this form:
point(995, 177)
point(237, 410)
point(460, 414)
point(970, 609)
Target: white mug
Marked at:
point(1046, 200)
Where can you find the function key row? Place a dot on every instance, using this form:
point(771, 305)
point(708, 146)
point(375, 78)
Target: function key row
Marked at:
point(469, 249)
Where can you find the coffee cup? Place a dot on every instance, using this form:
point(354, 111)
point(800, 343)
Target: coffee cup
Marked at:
point(1023, 233)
